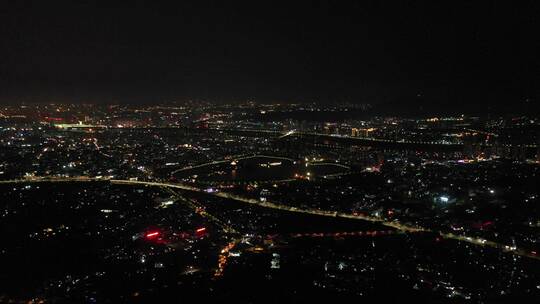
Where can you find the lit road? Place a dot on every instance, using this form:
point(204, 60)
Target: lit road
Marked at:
point(393, 224)
point(367, 140)
point(199, 210)
point(329, 164)
point(229, 160)
point(279, 134)
point(251, 156)
point(372, 233)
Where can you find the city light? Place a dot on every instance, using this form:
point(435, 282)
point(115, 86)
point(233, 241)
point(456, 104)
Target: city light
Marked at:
point(152, 234)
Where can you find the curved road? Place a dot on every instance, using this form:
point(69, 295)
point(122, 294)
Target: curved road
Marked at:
point(228, 160)
point(393, 224)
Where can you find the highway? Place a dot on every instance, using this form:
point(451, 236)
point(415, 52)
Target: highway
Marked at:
point(281, 134)
point(273, 205)
point(365, 140)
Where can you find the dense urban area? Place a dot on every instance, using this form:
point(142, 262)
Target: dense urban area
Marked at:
point(232, 202)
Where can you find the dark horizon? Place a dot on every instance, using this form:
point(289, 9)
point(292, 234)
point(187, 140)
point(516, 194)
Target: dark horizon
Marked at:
point(457, 54)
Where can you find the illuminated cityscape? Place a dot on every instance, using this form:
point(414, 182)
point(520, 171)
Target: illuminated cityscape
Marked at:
point(217, 197)
point(123, 183)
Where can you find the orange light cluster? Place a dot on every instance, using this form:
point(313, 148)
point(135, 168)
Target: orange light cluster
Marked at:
point(222, 260)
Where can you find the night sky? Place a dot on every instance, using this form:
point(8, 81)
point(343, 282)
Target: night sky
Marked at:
point(463, 53)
